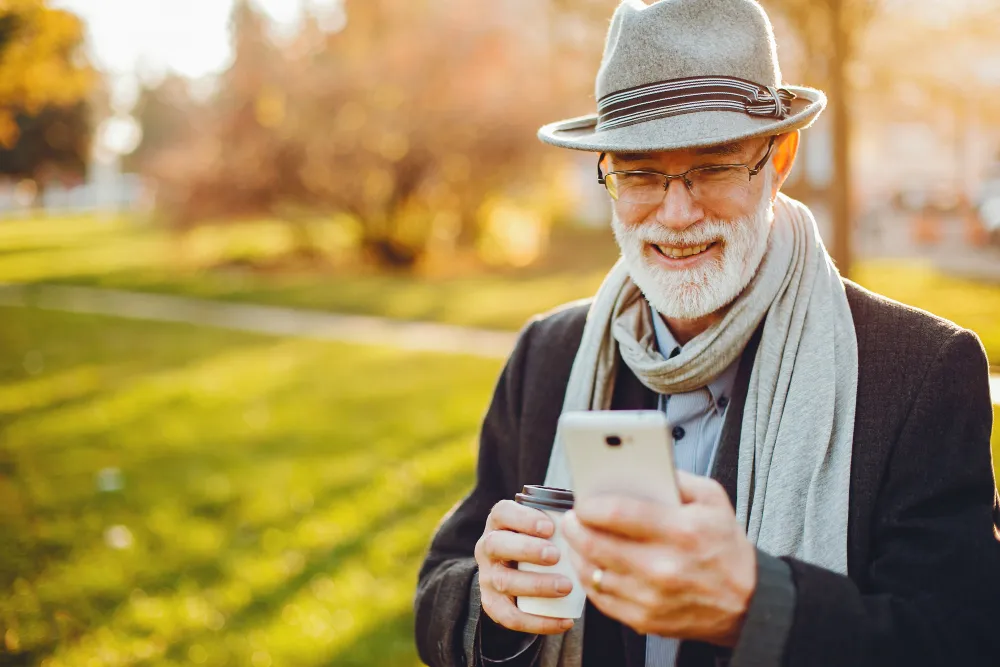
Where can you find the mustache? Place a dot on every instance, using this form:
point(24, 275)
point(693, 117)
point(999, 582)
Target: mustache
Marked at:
point(703, 233)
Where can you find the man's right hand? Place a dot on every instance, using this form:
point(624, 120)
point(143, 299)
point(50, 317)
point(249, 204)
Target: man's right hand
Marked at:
point(515, 533)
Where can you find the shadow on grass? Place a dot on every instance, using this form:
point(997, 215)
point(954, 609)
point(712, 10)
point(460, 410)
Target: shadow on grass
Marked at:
point(271, 602)
point(246, 538)
point(388, 644)
point(170, 444)
point(26, 460)
point(207, 570)
point(18, 464)
point(25, 659)
point(27, 248)
point(117, 380)
point(389, 641)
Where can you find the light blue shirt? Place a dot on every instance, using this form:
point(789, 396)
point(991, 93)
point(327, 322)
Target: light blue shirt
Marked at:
point(696, 418)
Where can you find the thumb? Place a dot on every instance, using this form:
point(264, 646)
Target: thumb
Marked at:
point(700, 490)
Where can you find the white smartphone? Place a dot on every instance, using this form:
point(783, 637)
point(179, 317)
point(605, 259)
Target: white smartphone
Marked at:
point(628, 452)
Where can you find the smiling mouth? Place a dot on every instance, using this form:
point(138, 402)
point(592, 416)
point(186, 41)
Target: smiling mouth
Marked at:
point(680, 253)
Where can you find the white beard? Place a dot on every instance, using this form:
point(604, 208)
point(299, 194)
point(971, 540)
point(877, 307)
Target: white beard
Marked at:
point(694, 293)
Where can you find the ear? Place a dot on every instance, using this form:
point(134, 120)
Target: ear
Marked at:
point(785, 150)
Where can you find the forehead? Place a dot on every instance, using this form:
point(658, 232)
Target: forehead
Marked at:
point(733, 151)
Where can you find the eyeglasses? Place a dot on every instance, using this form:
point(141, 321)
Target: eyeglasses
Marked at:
point(710, 183)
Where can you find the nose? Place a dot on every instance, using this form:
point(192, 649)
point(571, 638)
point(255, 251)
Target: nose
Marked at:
point(678, 210)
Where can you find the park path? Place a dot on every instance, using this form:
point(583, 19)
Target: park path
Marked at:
point(269, 320)
point(276, 320)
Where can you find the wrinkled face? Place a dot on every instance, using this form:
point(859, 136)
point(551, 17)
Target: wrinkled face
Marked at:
point(694, 250)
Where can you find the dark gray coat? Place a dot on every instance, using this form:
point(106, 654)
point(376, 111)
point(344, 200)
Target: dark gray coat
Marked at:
point(923, 583)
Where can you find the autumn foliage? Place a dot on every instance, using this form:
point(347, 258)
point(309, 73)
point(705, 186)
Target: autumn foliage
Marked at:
point(407, 119)
point(41, 63)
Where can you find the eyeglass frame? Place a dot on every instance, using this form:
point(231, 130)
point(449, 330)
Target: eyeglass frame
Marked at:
point(754, 170)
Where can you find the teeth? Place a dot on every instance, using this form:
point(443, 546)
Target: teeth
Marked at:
point(682, 252)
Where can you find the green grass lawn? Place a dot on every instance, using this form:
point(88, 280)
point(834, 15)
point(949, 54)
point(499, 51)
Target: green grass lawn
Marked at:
point(971, 304)
point(276, 495)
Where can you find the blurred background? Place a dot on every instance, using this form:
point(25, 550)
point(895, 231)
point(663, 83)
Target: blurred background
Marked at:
point(261, 260)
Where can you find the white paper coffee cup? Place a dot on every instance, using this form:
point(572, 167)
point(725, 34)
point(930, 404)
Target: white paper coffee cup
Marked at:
point(555, 503)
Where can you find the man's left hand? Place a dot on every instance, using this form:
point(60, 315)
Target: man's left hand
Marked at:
point(686, 571)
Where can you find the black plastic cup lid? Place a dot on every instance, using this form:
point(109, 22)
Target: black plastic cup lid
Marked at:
point(545, 498)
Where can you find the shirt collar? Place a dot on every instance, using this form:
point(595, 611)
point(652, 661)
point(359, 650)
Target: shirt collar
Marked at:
point(721, 388)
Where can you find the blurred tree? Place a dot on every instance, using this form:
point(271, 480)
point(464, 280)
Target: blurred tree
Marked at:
point(961, 74)
point(229, 167)
point(830, 32)
point(425, 114)
point(407, 119)
point(165, 113)
point(41, 63)
point(953, 88)
point(53, 145)
point(410, 116)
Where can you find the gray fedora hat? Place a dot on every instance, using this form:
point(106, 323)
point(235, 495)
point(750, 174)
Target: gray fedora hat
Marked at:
point(687, 73)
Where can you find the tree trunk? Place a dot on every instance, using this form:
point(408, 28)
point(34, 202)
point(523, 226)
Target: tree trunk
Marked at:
point(840, 190)
point(389, 253)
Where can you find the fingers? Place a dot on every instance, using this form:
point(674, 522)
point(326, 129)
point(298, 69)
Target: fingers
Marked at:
point(613, 583)
point(644, 520)
point(620, 596)
point(504, 545)
point(606, 550)
point(508, 515)
point(515, 583)
point(702, 490)
point(503, 610)
point(518, 533)
point(628, 517)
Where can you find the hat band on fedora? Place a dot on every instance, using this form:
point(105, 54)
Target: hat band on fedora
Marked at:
point(689, 95)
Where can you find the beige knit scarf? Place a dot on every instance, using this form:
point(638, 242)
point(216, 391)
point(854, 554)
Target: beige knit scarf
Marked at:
point(795, 445)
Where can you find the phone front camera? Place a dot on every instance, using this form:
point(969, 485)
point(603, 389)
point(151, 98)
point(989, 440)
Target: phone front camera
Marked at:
point(613, 441)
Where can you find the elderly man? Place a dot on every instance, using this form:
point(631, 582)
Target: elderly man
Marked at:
point(833, 446)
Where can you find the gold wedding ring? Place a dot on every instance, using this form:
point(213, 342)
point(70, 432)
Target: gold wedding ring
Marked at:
point(596, 577)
